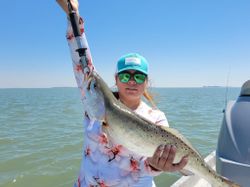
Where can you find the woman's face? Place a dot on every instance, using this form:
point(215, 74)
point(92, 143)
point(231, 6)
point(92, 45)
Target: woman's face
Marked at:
point(131, 89)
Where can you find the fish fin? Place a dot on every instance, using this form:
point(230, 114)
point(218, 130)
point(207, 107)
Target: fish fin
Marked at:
point(186, 172)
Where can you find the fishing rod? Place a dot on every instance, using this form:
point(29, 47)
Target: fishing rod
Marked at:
point(82, 47)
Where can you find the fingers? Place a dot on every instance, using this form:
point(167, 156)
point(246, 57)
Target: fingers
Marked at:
point(165, 156)
point(171, 155)
point(183, 162)
point(163, 159)
point(64, 5)
point(155, 158)
point(74, 4)
point(168, 158)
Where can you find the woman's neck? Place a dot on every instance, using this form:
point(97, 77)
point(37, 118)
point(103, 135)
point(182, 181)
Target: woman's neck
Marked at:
point(132, 104)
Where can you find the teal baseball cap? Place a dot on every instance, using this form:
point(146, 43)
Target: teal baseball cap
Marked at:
point(132, 61)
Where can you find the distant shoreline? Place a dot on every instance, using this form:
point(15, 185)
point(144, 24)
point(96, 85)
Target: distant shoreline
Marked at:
point(213, 86)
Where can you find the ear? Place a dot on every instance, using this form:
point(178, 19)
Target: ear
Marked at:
point(116, 78)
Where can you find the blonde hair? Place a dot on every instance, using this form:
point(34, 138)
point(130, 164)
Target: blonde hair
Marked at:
point(150, 98)
point(148, 95)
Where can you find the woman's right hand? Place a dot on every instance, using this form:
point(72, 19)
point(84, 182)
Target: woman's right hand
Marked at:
point(163, 159)
point(64, 5)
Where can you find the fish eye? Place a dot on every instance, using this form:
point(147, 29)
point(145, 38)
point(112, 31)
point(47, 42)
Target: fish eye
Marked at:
point(93, 84)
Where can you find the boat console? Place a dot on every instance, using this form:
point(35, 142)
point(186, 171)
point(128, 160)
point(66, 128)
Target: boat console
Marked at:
point(233, 148)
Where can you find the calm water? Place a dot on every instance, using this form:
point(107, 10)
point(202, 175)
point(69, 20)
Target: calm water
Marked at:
point(41, 130)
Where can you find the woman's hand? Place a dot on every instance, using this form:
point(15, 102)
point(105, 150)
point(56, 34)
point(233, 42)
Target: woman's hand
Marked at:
point(64, 5)
point(163, 158)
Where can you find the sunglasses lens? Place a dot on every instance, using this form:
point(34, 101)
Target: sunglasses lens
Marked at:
point(124, 77)
point(139, 78)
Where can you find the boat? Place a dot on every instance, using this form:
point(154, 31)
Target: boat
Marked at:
point(231, 158)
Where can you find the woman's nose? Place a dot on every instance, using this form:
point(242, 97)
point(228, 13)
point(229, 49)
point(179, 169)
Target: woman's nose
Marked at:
point(131, 81)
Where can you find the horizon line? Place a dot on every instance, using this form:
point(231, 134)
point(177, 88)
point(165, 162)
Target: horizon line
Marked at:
point(112, 86)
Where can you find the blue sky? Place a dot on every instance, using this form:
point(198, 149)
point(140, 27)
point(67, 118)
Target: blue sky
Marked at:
point(188, 43)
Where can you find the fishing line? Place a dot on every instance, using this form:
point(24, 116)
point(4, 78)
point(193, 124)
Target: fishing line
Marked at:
point(227, 85)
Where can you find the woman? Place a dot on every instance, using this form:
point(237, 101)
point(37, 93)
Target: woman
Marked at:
point(105, 165)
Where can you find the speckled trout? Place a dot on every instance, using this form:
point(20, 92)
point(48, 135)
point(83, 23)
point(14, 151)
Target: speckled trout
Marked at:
point(126, 128)
point(122, 125)
point(139, 135)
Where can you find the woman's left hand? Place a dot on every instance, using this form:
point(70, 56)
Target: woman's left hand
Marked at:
point(163, 158)
point(64, 5)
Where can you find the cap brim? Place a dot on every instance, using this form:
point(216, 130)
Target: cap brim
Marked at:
point(133, 68)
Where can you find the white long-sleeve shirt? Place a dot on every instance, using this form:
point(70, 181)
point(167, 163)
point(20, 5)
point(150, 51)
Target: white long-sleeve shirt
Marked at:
point(103, 165)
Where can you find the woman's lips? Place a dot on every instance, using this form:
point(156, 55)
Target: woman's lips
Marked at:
point(133, 89)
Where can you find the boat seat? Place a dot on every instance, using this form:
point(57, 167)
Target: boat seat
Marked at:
point(245, 89)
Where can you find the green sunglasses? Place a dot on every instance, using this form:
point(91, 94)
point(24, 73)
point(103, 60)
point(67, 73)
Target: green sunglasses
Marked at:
point(139, 77)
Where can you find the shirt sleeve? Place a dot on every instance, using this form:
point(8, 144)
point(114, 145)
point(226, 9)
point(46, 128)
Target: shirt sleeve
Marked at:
point(162, 120)
point(72, 43)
